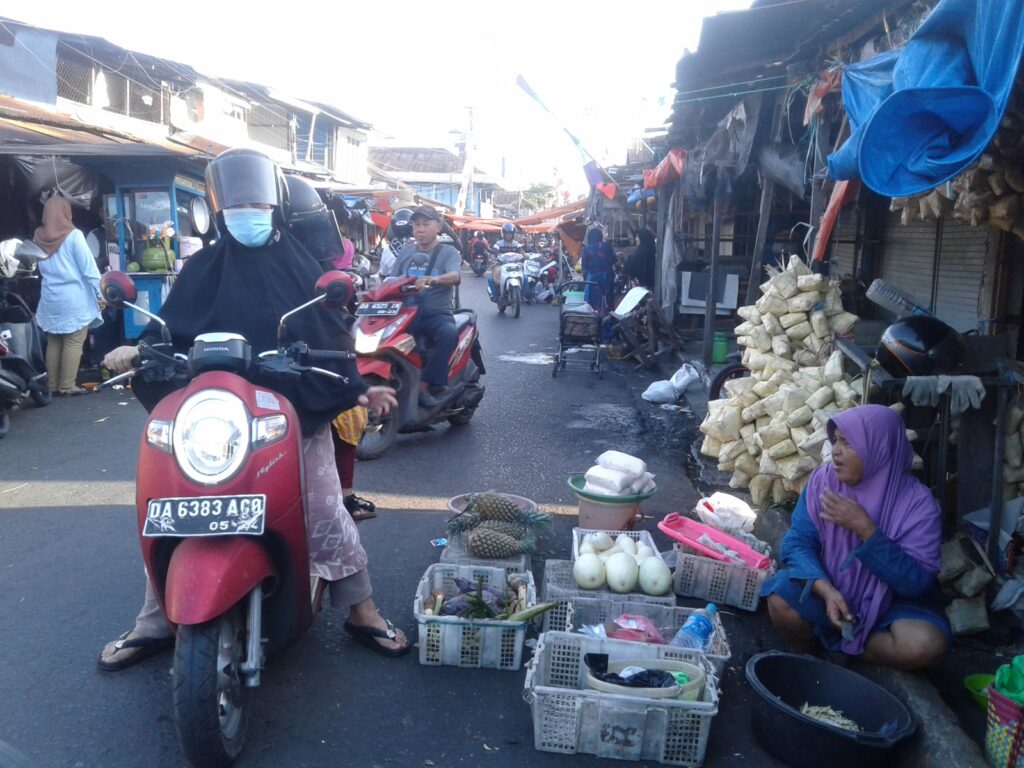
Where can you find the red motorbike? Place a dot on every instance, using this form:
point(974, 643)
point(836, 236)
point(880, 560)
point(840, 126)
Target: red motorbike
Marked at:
point(389, 355)
point(220, 514)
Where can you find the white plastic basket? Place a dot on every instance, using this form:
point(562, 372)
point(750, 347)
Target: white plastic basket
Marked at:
point(560, 587)
point(455, 552)
point(588, 611)
point(718, 582)
point(570, 718)
point(638, 537)
point(457, 642)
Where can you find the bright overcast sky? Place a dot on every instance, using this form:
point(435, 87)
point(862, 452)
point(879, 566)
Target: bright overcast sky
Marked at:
point(411, 69)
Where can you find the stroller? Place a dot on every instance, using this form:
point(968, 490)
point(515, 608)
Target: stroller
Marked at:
point(579, 328)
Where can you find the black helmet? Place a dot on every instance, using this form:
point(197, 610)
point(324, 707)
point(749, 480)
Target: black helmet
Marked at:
point(304, 203)
point(401, 223)
point(244, 176)
point(921, 345)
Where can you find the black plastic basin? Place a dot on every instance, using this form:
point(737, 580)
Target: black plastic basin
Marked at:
point(783, 682)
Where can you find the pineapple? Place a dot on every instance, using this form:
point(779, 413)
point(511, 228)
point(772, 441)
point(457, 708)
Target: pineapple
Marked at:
point(491, 506)
point(515, 530)
point(490, 543)
point(462, 523)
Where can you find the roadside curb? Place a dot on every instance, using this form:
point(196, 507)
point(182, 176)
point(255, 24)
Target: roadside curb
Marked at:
point(939, 739)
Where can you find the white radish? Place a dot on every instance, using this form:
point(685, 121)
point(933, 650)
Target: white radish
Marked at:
point(621, 572)
point(626, 544)
point(655, 576)
point(588, 571)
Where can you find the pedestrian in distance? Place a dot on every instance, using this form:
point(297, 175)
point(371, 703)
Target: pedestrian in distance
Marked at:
point(598, 266)
point(70, 302)
point(257, 258)
point(436, 267)
point(863, 552)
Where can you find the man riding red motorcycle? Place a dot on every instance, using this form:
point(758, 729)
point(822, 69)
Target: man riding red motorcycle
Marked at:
point(238, 498)
point(409, 318)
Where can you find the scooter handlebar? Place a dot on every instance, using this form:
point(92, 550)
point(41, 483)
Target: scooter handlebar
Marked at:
point(329, 356)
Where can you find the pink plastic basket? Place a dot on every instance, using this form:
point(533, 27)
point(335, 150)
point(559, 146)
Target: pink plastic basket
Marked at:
point(687, 531)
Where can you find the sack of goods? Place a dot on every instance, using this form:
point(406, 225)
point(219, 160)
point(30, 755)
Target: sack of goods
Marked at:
point(618, 474)
point(769, 429)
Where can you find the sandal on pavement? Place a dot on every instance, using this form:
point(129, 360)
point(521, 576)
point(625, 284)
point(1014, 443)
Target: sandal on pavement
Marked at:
point(360, 508)
point(367, 636)
point(74, 391)
point(125, 652)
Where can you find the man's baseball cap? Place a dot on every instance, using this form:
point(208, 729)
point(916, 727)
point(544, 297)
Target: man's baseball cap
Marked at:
point(426, 212)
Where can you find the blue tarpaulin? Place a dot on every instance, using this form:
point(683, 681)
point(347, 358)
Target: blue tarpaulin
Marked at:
point(922, 114)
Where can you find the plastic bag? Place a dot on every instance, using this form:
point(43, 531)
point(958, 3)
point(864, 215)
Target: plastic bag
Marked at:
point(613, 480)
point(726, 512)
point(639, 629)
point(622, 462)
point(684, 378)
point(660, 392)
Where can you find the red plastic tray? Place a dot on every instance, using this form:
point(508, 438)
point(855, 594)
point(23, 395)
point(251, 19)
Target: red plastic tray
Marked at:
point(688, 531)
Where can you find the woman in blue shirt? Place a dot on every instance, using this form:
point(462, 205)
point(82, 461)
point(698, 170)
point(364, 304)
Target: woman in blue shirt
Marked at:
point(863, 550)
point(70, 300)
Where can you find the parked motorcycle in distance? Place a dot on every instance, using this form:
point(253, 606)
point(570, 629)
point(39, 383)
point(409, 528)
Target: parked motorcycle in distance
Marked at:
point(221, 517)
point(478, 263)
point(540, 274)
point(510, 282)
point(22, 365)
point(390, 355)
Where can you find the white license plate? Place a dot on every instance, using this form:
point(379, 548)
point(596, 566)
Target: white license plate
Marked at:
point(240, 515)
point(380, 308)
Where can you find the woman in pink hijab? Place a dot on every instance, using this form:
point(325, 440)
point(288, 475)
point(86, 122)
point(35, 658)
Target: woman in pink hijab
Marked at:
point(862, 551)
point(70, 300)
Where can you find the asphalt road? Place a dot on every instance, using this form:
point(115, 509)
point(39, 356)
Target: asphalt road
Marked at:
point(72, 579)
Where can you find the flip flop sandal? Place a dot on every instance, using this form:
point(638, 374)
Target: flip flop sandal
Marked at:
point(366, 636)
point(123, 653)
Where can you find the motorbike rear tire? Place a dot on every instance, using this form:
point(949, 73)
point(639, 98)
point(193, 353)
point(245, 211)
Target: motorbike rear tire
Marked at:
point(377, 439)
point(516, 301)
point(41, 395)
point(210, 703)
point(461, 418)
point(730, 372)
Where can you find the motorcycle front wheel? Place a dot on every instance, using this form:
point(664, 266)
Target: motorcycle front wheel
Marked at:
point(379, 434)
point(515, 300)
point(210, 700)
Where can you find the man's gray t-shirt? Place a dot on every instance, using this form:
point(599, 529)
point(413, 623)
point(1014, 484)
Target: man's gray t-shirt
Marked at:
point(412, 262)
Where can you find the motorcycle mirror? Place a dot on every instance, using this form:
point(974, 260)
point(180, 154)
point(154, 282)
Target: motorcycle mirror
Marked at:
point(336, 289)
point(29, 254)
point(118, 289)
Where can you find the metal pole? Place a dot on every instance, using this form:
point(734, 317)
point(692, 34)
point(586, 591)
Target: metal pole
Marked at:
point(710, 305)
point(995, 518)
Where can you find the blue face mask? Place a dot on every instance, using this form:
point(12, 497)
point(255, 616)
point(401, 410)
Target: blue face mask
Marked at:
point(251, 227)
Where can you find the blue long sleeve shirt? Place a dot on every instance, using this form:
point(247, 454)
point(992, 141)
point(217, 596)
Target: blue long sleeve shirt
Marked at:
point(801, 551)
point(70, 287)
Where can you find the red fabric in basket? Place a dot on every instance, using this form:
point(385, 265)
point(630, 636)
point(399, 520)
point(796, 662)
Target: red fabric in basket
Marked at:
point(688, 531)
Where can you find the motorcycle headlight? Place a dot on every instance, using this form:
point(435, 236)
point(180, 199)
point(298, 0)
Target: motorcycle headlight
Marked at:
point(367, 343)
point(211, 436)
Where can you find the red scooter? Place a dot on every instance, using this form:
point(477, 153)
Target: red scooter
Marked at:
point(389, 355)
point(220, 513)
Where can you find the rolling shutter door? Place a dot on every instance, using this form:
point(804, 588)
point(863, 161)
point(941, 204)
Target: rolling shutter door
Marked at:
point(844, 245)
point(962, 257)
point(908, 257)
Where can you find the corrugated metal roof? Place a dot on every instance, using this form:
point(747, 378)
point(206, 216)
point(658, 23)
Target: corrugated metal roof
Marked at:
point(27, 129)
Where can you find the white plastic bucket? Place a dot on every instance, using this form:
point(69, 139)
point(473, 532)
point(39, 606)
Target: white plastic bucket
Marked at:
point(608, 515)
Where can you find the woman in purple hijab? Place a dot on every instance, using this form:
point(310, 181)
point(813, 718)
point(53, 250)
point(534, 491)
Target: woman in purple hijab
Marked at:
point(862, 551)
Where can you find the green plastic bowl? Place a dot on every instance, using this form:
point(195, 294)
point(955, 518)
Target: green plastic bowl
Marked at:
point(977, 686)
point(578, 479)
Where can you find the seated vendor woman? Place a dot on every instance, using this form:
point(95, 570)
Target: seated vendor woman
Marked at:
point(863, 550)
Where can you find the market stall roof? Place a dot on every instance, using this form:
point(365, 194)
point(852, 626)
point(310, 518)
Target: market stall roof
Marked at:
point(27, 129)
point(742, 51)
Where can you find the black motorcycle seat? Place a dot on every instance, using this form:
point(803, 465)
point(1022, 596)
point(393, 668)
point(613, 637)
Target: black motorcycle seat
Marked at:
point(463, 317)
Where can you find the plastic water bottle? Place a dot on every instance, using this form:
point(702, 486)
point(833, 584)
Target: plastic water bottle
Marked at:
point(697, 630)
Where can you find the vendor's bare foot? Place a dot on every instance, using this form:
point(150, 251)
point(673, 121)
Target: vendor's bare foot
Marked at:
point(371, 629)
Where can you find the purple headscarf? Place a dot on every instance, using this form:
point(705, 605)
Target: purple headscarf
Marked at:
point(902, 508)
